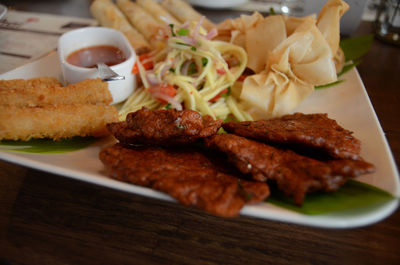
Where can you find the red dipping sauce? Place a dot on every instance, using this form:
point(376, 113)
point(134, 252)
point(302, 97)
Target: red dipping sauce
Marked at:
point(89, 57)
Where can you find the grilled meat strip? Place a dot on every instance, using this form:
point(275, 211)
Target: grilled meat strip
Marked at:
point(315, 131)
point(294, 174)
point(164, 127)
point(188, 175)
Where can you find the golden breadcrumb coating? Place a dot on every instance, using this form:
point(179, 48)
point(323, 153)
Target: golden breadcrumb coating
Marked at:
point(55, 122)
point(91, 91)
point(40, 82)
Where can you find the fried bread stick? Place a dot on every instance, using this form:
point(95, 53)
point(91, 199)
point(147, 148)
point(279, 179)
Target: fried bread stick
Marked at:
point(55, 122)
point(34, 83)
point(91, 91)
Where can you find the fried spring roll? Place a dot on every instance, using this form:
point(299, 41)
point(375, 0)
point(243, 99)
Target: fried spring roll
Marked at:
point(108, 15)
point(34, 83)
point(185, 12)
point(91, 91)
point(55, 122)
point(151, 29)
point(158, 12)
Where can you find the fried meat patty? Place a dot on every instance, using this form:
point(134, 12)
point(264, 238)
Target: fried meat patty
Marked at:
point(164, 127)
point(306, 130)
point(294, 174)
point(188, 175)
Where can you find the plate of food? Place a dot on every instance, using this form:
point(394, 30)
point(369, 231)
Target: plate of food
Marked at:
point(215, 124)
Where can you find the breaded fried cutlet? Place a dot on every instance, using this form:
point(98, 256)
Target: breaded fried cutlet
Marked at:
point(55, 122)
point(40, 82)
point(91, 91)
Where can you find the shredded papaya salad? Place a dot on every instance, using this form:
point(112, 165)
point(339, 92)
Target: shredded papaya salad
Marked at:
point(191, 72)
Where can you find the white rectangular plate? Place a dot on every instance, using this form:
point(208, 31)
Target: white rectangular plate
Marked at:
point(347, 103)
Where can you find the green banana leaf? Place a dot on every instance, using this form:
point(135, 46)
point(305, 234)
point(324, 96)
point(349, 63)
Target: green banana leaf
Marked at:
point(354, 195)
point(47, 146)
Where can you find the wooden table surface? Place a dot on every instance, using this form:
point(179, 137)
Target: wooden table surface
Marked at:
point(49, 219)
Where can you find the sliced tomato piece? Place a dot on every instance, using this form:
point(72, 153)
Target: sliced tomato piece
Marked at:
point(219, 95)
point(221, 71)
point(135, 69)
point(163, 89)
point(146, 63)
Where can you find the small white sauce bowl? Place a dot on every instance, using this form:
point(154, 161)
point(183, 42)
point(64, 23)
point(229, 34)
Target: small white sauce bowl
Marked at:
point(94, 36)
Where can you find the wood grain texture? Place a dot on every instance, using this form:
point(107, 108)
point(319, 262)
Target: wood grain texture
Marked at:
point(380, 72)
point(49, 219)
point(56, 220)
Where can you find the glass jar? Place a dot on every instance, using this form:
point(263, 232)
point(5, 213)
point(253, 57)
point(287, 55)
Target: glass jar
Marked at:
point(387, 23)
point(293, 7)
